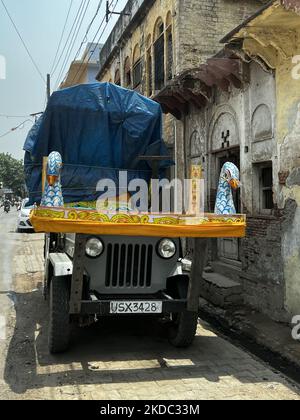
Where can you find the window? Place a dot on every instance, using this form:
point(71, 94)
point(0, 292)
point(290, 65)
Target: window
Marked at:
point(137, 74)
point(137, 68)
point(118, 78)
point(127, 73)
point(263, 187)
point(159, 55)
point(267, 188)
point(170, 55)
point(169, 40)
point(149, 73)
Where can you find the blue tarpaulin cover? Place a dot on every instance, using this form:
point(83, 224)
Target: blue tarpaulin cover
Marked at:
point(99, 129)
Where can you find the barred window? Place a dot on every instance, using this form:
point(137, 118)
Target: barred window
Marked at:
point(159, 55)
point(267, 188)
point(263, 202)
point(149, 72)
point(169, 40)
point(137, 68)
point(127, 73)
point(117, 78)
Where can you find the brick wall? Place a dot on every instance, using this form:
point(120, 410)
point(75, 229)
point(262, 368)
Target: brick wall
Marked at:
point(262, 261)
point(201, 25)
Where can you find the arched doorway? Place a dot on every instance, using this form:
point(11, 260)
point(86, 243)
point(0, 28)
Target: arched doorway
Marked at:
point(224, 147)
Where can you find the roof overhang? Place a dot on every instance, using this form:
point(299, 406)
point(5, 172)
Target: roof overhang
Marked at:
point(272, 34)
point(195, 86)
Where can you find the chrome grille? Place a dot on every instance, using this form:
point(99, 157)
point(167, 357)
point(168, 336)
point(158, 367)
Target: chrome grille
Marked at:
point(128, 266)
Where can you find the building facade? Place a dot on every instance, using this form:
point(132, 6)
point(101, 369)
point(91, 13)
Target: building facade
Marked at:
point(243, 106)
point(155, 40)
point(239, 104)
point(84, 70)
point(272, 39)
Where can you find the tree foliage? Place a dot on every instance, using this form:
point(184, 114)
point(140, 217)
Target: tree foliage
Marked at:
point(12, 173)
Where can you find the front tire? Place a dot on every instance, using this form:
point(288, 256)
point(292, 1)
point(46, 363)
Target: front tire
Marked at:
point(183, 329)
point(59, 326)
point(183, 325)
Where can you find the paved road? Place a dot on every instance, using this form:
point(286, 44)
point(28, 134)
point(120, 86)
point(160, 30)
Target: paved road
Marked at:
point(115, 359)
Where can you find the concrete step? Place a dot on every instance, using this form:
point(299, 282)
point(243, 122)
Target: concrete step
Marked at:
point(221, 291)
point(231, 271)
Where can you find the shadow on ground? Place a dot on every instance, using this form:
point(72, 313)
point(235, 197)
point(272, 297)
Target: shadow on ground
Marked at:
point(113, 351)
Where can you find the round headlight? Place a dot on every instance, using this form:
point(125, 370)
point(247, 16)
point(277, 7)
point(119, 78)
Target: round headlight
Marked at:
point(166, 249)
point(94, 248)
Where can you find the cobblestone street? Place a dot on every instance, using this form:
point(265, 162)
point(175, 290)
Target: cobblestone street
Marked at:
point(116, 359)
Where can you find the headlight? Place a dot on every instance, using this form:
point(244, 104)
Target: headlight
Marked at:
point(94, 248)
point(166, 249)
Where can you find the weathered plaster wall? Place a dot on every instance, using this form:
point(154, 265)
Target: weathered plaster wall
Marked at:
point(288, 135)
point(140, 34)
point(123, 47)
point(274, 38)
point(197, 27)
point(249, 115)
point(289, 147)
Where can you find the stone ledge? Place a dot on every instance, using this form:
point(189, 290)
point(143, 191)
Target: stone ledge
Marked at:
point(245, 321)
point(221, 290)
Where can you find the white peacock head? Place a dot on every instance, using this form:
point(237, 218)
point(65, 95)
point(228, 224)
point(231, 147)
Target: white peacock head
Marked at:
point(231, 174)
point(54, 167)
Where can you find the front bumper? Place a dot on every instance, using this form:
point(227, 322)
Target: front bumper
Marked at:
point(25, 224)
point(102, 307)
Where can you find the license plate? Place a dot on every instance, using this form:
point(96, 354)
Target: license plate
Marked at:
point(136, 307)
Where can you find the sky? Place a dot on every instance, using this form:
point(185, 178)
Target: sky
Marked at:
point(22, 90)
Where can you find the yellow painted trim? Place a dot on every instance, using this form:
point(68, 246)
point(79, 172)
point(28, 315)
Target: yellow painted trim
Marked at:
point(93, 223)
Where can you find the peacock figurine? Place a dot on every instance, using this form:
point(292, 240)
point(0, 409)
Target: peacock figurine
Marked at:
point(229, 179)
point(52, 196)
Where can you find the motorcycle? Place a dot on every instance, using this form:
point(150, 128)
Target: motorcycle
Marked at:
point(6, 208)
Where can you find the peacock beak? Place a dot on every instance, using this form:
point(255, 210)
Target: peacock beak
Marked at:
point(52, 179)
point(234, 183)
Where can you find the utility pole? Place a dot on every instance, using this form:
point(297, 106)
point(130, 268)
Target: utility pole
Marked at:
point(48, 87)
point(109, 12)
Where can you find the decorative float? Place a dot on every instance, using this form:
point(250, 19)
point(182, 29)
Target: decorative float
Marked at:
point(106, 253)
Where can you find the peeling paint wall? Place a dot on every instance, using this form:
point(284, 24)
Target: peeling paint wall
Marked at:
point(290, 164)
point(137, 36)
point(197, 27)
point(274, 37)
point(250, 117)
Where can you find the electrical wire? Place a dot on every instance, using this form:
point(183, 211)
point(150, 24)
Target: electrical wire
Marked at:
point(101, 24)
point(23, 42)
point(68, 37)
point(88, 29)
point(20, 126)
point(62, 36)
point(86, 63)
point(13, 116)
point(74, 38)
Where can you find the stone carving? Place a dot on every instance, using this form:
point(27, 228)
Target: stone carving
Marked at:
point(225, 132)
